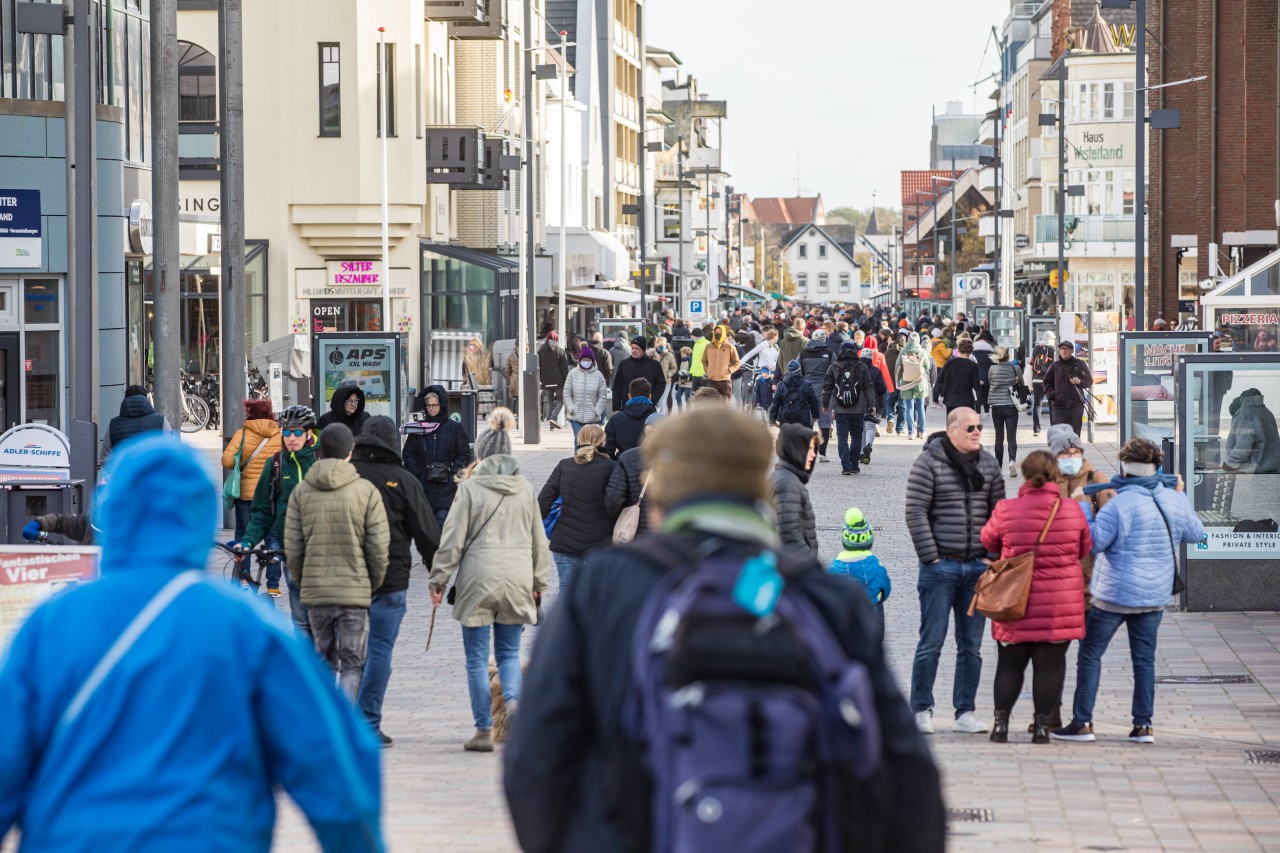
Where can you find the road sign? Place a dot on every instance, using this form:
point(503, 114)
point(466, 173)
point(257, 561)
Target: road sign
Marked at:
point(695, 306)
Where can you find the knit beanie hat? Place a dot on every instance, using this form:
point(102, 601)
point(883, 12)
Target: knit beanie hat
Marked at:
point(496, 439)
point(866, 352)
point(336, 442)
point(684, 464)
point(858, 535)
point(849, 346)
point(793, 366)
point(587, 353)
point(1062, 438)
point(384, 429)
point(639, 341)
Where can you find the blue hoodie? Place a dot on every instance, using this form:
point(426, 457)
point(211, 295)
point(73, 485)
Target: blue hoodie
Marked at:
point(168, 752)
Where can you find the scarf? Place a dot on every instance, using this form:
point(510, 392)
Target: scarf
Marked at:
point(429, 427)
point(1120, 481)
point(966, 464)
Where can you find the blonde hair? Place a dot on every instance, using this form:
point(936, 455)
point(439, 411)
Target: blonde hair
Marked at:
point(771, 335)
point(590, 440)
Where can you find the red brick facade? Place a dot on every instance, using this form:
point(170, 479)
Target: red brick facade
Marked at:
point(1207, 180)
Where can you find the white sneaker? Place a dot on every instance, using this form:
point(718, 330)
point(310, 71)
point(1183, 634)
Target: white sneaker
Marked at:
point(969, 724)
point(1013, 470)
point(924, 722)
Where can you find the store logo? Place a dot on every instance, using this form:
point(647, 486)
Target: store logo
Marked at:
point(377, 354)
point(23, 253)
point(336, 357)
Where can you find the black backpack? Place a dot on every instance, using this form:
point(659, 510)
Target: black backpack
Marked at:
point(795, 405)
point(848, 384)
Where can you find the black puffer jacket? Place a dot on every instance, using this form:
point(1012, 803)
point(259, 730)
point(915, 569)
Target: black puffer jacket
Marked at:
point(958, 383)
point(448, 445)
point(943, 515)
point(794, 387)
point(629, 369)
point(338, 415)
point(625, 484)
point(792, 509)
point(625, 428)
point(137, 416)
point(408, 513)
point(585, 522)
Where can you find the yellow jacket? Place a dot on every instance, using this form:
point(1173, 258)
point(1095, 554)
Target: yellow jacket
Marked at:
point(695, 358)
point(720, 361)
point(940, 352)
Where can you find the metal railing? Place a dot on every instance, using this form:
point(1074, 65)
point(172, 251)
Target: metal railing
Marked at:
point(1097, 228)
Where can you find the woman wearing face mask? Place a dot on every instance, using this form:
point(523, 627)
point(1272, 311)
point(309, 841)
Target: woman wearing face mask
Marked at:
point(586, 394)
point(662, 353)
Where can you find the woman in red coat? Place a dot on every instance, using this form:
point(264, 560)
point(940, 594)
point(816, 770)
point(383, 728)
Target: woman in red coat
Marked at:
point(1055, 605)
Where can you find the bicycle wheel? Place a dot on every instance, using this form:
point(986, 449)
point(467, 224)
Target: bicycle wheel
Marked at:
point(195, 413)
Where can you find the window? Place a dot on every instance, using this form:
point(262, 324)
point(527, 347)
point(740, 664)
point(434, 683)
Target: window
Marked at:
point(670, 221)
point(388, 81)
point(822, 250)
point(1108, 101)
point(844, 282)
point(1128, 100)
point(824, 282)
point(330, 90)
point(802, 282)
point(197, 84)
point(804, 250)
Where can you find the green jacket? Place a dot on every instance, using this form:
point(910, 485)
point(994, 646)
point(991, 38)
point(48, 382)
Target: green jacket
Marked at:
point(336, 536)
point(293, 467)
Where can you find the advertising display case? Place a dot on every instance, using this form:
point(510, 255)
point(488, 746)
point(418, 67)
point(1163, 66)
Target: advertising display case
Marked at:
point(373, 361)
point(1005, 325)
point(1229, 457)
point(1147, 384)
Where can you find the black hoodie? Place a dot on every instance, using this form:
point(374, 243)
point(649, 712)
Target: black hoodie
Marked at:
point(446, 445)
point(338, 415)
point(625, 429)
point(409, 515)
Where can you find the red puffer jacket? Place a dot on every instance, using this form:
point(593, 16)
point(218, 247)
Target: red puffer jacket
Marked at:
point(1055, 606)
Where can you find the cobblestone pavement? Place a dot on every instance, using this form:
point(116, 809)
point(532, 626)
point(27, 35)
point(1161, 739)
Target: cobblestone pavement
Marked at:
point(1194, 789)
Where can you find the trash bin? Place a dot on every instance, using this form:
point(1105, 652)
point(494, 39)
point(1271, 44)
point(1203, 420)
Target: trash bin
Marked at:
point(26, 499)
point(463, 407)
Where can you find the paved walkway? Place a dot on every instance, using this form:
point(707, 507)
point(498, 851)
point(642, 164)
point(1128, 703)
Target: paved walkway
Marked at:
point(1194, 789)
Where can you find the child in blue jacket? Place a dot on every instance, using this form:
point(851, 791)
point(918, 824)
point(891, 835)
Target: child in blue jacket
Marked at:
point(857, 561)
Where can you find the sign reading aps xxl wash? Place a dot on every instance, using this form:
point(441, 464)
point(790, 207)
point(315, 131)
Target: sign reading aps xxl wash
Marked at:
point(20, 243)
point(368, 360)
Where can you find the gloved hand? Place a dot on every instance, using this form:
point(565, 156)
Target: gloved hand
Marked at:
point(31, 532)
point(241, 546)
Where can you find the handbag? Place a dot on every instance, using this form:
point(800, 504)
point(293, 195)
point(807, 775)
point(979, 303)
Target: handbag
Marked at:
point(624, 529)
point(553, 515)
point(466, 546)
point(231, 486)
point(1178, 583)
point(1001, 593)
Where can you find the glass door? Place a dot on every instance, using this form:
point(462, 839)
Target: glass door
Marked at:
point(10, 380)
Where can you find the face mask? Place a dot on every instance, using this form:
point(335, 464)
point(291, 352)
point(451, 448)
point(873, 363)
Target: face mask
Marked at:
point(662, 349)
point(1071, 465)
point(585, 364)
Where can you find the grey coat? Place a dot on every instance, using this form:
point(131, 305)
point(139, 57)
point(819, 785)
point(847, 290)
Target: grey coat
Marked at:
point(796, 522)
point(943, 516)
point(1253, 445)
point(1001, 380)
point(586, 396)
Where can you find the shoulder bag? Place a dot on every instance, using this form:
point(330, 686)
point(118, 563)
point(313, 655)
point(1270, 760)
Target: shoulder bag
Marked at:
point(624, 529)
point(453, 590)
point(231, 486)
point(1001, 593)
point(1178, 583)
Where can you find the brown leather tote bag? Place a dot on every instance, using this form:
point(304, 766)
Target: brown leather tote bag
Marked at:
point(1001, 593)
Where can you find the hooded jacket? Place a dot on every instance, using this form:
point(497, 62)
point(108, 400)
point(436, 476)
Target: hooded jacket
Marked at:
point(271, 495)
point(795, 387)
point(409, 516)
point(626, 482)
point(150, 764)
point(941, 351)
point(871, 386)
point(553, 365)
point(630, 369)
point(1253, 445)
point(1135, 552)
point(626, 428)
point(1055, 604)
point(720, 357)
point(1059, 389)
point(944, 516)
point(928, 373)
point(793, 512)
point(815, 360)
point(959, 382)
point(254, 433)
point(790, 346)
point(586, 395)
point(446, 445)
point(495, 541)
point(338, 415)
point(880, 363)
point(336, 536)
point(137, 416)
point(983, 354)
point(585, 520)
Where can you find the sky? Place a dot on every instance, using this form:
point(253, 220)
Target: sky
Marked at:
point(843, 88)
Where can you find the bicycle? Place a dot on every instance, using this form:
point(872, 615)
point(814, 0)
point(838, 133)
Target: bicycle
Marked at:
point(236, 568)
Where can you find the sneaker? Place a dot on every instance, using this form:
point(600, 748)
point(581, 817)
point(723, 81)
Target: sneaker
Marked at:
point(823, 458)
point(1078, 732)
point(924, 722)
point(866, 459)
point(919, 436)
point(847, 473)
point(1035, 431)
point(481, 741)
point(245, 585)
point(968, 724)
point(856, 471)
point(1142, 734)
point(273, 591)
point(383, 739)
point(1013, 470)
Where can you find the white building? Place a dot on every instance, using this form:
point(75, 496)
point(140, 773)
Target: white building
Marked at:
point(823, 267)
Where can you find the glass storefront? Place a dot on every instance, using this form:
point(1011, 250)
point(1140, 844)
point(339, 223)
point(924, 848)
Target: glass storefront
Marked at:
point(1147, 381)
point(346, 315)
point(32, 351)
point(465, 294)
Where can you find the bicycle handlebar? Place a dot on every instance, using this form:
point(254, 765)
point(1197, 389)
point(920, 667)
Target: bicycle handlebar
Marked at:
point(270, 553)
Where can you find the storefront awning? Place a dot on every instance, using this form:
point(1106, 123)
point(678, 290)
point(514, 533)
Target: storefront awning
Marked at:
point(602, 296)
point(497, 263)
point(612, 260)
point(749, 292)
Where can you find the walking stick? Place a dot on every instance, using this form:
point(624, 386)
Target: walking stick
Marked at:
point(432, 629)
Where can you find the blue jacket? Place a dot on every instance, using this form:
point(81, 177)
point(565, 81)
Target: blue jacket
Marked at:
point(865, 567)
point(169, 751)
point(1136, 569)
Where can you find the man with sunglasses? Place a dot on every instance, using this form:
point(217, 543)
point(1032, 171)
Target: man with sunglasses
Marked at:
point(952, 489)
point(271, 499)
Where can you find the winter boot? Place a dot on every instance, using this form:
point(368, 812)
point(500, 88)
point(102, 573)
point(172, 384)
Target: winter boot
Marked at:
point(1000, 728)
point(481, 741)
point(1041, 731)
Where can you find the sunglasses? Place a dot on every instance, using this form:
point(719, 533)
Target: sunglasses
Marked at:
point(972, 428)
point(293, 433)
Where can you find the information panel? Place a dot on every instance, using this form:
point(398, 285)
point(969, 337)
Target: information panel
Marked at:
point(31, 573)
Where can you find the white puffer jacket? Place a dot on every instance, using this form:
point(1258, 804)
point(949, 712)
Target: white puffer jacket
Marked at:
point(586, 395)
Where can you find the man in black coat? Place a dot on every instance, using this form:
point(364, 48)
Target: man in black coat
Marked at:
point(376, 456)
point(627, 482)
point(815, 360)
point(625, 428)
point(960, 380)
point(851, 418)
point(137, 416)
point(553, 367)
point(604, 362)
point(637, 366)
point(1065, 386)
point(436, 450)
point(565, 737)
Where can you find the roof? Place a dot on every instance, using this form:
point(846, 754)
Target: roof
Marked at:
point(873, 228)
point(661, 57)
point(787, 211)
point(840, 236)
point(917, 184)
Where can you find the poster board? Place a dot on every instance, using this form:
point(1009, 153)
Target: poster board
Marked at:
point(371, 360)
point(1148, 385)
point(1104, 362)
point(29, 574)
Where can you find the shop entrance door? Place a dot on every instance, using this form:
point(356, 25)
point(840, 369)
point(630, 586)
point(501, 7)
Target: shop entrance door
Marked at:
point(10, 380)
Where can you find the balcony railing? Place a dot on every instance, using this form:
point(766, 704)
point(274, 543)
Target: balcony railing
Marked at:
point(1098, 228)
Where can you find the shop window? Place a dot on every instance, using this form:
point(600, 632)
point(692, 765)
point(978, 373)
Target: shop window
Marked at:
point(459, 311)
point(255, 289)
point(197, 84)
point(43, 363)
point(330, 90)
point(40, 301)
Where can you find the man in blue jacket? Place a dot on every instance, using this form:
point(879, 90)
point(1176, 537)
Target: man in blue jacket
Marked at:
point(133, 722)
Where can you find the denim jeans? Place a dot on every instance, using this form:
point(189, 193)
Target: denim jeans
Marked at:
point(576, 426)
point(682, 397)
point(913, 415)
point(946, 588)
point(849, 440)
point(386, 610)
point(506, 650)
point(1005, 419)
point(891, 409)
point(1037, 398)
point(1099, 627)
point(342, 638)
point(297, 611)
point(441, 515)
point(566, 565)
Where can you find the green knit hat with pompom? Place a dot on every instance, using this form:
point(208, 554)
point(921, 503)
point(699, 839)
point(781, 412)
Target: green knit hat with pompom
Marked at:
point(858, 535)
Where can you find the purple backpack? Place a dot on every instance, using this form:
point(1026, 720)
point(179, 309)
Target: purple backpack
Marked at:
point(758, 733)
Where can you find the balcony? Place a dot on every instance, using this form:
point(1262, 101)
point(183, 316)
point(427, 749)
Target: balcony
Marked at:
point(198, 150)
point(1099, 235)
point(470, 11)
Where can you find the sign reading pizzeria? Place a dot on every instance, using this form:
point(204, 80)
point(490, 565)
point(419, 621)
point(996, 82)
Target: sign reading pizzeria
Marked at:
point(1249, 319)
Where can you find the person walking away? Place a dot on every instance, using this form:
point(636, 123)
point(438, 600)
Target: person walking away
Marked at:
point(683, 380)
point(336, 541)
point(856, 561)
point(815, 360)
point(847, 393)
point(553, 367)
point(495, 543)
point(280, 476)
point(914, 379)
point(346, 407)
point(1042, 356)
point(586, 395)
point(580, 483)
point(893, 408)
point(627, 482)
point(376, 457)
point(511, 370)
point(256, 443)
point(137, 417)
point(1065, 385)
point(983, 355)
point(1139, 531)
point(795, 401)
point(720, 360)
point(624, 429)
point(437, 451)
point(1002, 383)
point(620, 351)
point(1040, 521)
point(637, 366)
point(792, 342)
point(952, 489)
point(958, 381)
point(581, 680)
point(666, 358)
point(788, 485)
point(86, 760)
point(939, 348)
point(876, 406)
